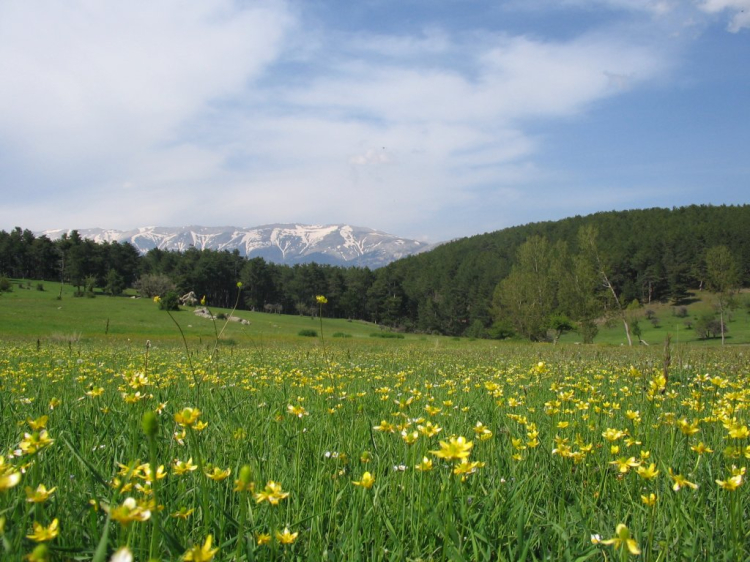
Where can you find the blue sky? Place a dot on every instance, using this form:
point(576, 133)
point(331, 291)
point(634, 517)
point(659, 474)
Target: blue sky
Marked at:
point(430, 119)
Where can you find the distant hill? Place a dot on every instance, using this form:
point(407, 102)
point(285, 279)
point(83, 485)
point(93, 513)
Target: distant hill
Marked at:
point(651, 254)
point(279, 243)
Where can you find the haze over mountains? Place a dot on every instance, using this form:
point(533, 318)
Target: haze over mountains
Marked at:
point(279, 243)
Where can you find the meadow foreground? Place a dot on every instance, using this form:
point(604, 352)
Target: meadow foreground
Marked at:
point(373, 452)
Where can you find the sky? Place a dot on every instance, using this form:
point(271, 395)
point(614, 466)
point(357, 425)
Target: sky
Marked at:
point(427, 119)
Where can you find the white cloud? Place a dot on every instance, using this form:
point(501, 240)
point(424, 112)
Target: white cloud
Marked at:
point(86, 80)
point(211, 112)
point(739, 10)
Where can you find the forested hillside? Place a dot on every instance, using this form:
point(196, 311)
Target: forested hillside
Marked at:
point(524, 280)
point(651, 254)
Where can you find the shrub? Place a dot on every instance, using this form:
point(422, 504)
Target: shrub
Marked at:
point(387, 335)
point(501, 330)
point(708, 326)
point(5, 285)
point(40, 286)
point(476, 330)
point(588, 330)
point(308, 333)
point(341, 335)
point(154, 285)
point(170, 301)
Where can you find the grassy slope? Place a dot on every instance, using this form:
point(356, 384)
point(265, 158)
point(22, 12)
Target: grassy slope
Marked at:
point(32, 314)
point(669, 323)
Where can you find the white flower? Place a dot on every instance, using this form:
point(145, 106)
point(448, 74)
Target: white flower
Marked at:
point(122, 555)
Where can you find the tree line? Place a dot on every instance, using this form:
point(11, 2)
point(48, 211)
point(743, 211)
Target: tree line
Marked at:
point(531, 280)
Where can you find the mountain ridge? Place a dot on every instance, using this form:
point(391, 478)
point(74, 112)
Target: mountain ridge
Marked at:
point(284, 243)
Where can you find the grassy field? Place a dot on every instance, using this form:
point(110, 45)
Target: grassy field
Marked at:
point(30, 313)
point(274, 446)
point(668, 320)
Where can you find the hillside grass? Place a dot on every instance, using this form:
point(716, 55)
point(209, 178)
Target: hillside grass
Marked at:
point(28, 313)
point(669, 323)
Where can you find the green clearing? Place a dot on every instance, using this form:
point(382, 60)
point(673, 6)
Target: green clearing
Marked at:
point(27, 313)
point(669, 322)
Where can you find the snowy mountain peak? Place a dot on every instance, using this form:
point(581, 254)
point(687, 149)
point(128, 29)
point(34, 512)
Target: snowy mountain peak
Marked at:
point(280, 243)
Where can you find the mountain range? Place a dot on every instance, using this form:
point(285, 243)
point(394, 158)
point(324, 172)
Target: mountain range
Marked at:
point(337, 244)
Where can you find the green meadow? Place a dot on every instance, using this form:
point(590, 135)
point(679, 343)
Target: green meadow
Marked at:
point(27, 312)
point(122, 439)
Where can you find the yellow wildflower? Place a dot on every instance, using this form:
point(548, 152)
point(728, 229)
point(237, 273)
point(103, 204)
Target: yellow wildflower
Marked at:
point(688, 428)
point(613, 434)
point(385, 426)
point(181, 467)
point(464, 468)
point(624, 465)
point(298, 411)
point(41, 494)
point(187, 417)
point(8, 480)
point(216, 474)
point(130, 511)
point(44, 534)
point(272, 493)
point(649, 500)
point(409, 438)
point(183, 513)
point(38, 424)
point(734, 481)
point(202, 553)
point(681, 482)
point(456, 448)
point(366, 481)
point(34, 442)
point(623, 538)
point(648, 473)
point(429, 429)
point(285, 537)
point(701, 449)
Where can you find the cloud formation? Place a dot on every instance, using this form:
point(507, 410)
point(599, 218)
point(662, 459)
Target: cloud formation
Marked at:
point(739, 11)
point(224, 112)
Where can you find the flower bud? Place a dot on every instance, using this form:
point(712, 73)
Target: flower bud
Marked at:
point(150, 424)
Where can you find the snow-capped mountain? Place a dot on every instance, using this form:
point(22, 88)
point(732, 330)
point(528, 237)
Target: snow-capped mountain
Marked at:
point(280, 243)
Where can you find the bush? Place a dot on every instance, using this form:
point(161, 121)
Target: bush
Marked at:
point(5, 285)
point(40, 286)
point(308, 333)
point(170, 301)
point(476, 330)
point(681, 312)
point(501, 330)
point(708, 326)
point(151, 286)
point(341, 335)
point(588, 330)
